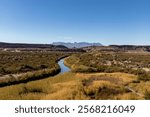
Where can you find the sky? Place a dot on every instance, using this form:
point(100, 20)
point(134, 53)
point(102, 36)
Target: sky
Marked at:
point(122, 22)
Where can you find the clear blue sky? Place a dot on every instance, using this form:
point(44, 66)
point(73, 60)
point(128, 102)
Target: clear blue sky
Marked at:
point(104, 21)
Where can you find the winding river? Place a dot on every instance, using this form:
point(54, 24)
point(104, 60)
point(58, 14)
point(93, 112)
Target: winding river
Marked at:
point(16, 76)
point(63, 67)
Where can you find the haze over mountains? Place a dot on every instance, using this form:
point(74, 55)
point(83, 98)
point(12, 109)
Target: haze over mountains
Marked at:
point(76, 44)
point(53, 45)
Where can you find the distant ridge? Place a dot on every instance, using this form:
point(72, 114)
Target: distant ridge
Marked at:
point(76, 44)
point(120, 48)
point(18, 47)
point(25, 45)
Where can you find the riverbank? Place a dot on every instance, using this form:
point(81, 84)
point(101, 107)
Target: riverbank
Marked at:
point(13, 79)
point(29, 76)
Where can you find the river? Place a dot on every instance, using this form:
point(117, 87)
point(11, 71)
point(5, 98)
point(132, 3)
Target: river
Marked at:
point(63, 67)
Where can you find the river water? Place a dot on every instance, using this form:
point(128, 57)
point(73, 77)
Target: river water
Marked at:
point(63, 67)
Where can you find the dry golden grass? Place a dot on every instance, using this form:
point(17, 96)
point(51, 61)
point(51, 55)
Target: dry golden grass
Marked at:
point(37, 89)
point(62, 91)
point(141, 87)
point(124, 77)
point(72, 86)
point(128, 96)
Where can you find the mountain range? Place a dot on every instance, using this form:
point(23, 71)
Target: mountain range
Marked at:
point(76, 44)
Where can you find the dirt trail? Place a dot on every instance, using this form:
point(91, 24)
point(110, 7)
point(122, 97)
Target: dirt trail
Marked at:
point(133, 91)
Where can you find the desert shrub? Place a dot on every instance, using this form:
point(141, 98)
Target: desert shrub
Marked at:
point(43, 66)
point(26, 68)
point(102, 90)
point(3, 71)
point(110, 69)
point(147, 95)
point(101, 68)
point(26, 90)
point(144, 77)
point(83, 69)
point(136, 81)
point(137, 72)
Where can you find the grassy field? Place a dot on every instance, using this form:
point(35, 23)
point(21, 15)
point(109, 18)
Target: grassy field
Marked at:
point(77, 86)
point(137, 64)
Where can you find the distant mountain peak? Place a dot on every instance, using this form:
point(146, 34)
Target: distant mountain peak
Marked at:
point(76, 44)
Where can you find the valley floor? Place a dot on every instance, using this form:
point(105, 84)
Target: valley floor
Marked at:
point(78, 86)
point(93, 76)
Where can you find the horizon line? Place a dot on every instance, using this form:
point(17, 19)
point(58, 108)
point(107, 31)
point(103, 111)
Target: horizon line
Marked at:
point(75, 42)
